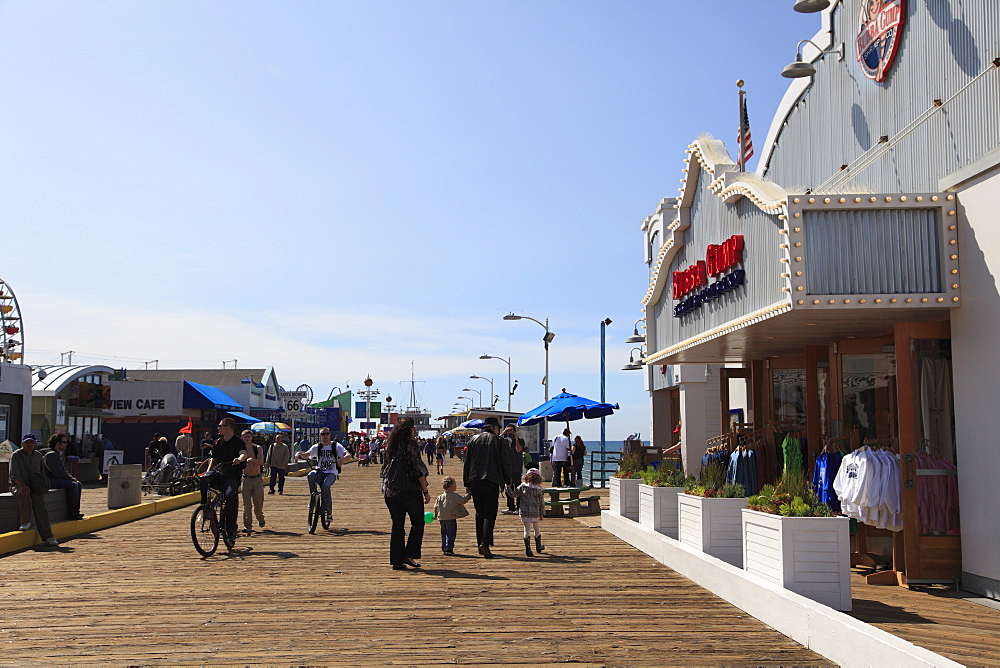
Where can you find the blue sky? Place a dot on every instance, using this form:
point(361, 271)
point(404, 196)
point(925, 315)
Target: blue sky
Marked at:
point(340, 188)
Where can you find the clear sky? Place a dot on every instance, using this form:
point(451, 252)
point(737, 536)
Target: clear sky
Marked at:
point(340, 188)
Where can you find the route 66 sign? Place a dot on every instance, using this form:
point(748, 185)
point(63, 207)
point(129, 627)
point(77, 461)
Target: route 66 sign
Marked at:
point(879, 34)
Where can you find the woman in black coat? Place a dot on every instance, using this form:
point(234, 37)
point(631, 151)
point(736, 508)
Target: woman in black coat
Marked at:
point(404, 486)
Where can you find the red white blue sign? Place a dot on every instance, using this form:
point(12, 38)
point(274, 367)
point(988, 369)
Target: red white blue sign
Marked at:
point(879, 34)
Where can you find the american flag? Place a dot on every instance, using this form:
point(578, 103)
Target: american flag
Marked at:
point(743, 136)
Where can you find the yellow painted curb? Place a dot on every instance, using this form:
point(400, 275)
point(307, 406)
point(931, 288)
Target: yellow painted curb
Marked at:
point(21, 540)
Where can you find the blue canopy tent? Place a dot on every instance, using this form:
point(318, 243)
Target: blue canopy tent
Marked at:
point(565, 407)
point(474, 424)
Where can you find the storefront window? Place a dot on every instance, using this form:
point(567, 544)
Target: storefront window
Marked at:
point(870, 395)
point(789, 394)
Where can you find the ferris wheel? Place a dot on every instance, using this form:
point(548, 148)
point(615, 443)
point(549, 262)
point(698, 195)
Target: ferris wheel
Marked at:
point(11, 331)
point(309, 393)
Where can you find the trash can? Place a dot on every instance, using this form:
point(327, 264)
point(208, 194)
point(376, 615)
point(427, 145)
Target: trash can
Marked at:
point(124, 485)
point(545, 469)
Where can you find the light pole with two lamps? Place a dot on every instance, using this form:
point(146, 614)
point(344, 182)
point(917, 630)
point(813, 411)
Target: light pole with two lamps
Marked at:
point(547, 339)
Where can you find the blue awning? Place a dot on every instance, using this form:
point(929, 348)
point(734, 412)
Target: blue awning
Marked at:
point(197, 395)
point(243, 417)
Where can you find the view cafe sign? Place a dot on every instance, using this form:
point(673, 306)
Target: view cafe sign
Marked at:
point(692, 286)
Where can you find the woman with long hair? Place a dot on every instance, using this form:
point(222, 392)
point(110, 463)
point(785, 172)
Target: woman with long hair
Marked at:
point(404, 486)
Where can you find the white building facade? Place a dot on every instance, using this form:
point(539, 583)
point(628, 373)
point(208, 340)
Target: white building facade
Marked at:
point(849, 284)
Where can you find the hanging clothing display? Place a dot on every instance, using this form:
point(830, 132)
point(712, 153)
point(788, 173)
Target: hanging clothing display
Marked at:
point(938, 496)
point(791, 447)
point(825, 472)
point(744, 469)
point(868, 487)
point(936, 404)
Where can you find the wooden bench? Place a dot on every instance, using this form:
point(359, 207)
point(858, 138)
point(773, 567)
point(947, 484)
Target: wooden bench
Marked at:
point(55, 503)
point(556, 507)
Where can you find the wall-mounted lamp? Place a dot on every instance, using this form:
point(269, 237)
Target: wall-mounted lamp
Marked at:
point(633, 363)
point(800, 69)
point(810, 6)
point(636, 336)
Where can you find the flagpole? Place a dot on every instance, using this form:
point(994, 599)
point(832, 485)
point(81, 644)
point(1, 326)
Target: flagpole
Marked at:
point(741, 161)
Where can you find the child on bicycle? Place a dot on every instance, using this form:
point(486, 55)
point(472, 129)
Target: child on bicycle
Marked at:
point(447, 509)
point(532, 509)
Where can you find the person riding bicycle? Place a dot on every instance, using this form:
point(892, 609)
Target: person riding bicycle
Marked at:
point(330, 456)
point(229, 456)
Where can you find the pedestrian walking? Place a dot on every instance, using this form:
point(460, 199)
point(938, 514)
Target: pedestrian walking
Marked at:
point(253, 483)
point(513, 445)
point(450, 506)
point(404, 486)
point(484, 473)
point(440, 451)
point(532, 509)
point(277, 462)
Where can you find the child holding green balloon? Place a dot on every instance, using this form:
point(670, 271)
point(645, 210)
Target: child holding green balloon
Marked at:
point(447, 509)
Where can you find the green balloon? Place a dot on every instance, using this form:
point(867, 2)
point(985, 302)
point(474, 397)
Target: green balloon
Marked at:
point(428, 517)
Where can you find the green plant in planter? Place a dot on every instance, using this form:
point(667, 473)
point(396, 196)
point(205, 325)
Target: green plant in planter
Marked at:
point(791, 496)
point(665, 477)
point(629, 466)
point(712, 484)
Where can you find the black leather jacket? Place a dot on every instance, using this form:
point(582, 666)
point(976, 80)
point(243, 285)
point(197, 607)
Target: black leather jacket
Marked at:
point(486, 458)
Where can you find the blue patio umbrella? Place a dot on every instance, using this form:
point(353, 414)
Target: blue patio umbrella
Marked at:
point(566, 407)
point(473, 424)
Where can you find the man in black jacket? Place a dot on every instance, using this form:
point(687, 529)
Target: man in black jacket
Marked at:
point(486, 470)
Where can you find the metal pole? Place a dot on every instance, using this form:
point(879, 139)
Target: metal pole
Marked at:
point(742, 160)
point(508, 387)
point(603, 400)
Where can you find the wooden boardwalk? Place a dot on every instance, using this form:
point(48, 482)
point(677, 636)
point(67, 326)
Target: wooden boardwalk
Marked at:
point(139, 594)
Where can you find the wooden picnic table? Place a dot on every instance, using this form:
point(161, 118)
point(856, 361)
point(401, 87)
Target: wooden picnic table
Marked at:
point(572, 503)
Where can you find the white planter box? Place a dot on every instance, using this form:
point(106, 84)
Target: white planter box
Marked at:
point(624, 497)
point(658, 508)
point(808, 555)
point(712, 525)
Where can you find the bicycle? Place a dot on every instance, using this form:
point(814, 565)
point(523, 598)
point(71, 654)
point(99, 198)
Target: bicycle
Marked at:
point(205, 527)
point(316, 514)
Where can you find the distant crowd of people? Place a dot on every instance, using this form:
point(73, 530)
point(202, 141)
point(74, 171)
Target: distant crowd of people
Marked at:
point(495, 464)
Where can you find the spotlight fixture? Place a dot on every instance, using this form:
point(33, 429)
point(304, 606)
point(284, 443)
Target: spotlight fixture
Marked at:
point(800, 69)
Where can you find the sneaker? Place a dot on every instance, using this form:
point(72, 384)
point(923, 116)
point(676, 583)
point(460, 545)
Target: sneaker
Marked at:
point(263, 524)
point(79, 516)
point(52, 541)
point(24, 527)
point(271, 492)
point(329, 517)
point(281, 493)
point(509, 512)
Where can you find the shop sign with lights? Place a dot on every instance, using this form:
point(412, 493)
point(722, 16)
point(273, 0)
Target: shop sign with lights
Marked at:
point(691, 286)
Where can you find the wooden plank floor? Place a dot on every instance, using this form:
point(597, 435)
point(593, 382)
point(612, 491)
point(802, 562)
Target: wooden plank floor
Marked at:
point(931, 617)
point(139, 594)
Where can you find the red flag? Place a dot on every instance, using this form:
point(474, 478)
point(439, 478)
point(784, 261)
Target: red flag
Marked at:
point(188, 429)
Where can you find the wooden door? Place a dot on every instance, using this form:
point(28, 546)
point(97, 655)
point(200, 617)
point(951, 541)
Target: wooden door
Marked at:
point(932, 549)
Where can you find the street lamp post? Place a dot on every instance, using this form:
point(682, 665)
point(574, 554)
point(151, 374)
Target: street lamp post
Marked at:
point(479, 392)
point(510, 393)
point(604, 324)
point(368, 394)
point(490, 381)
point(547, 339)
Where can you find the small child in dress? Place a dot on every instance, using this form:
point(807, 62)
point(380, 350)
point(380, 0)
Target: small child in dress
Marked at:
point(447, 509)
point(532, 509)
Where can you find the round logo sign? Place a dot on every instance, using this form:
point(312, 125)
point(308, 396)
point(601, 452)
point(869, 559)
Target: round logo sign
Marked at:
point(879, 34)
